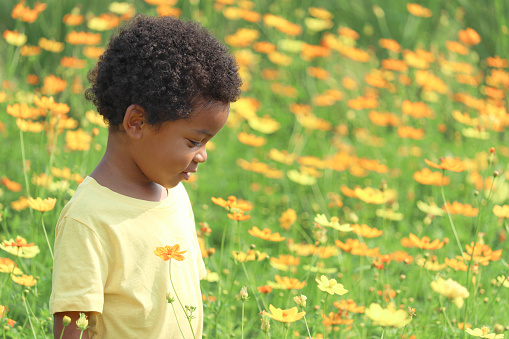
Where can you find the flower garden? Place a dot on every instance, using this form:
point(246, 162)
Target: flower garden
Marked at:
point(360, 188)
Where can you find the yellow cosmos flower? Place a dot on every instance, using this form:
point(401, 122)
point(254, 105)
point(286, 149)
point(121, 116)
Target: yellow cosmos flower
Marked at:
point(451, 290)
point(265, 124)
point(301, 178)
point(285, 316)
point(42, 205)
point(333, 223)
point(431, 208)
point(8, 266)
point(330, 286)
point(24, 280)
point(484, 332)
point(251, 255)
point(387, 316)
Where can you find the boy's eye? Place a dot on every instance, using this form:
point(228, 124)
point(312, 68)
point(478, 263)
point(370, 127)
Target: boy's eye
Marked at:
point(195, 144)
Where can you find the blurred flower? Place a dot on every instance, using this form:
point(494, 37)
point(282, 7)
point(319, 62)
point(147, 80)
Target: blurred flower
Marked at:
point(24, 280)
point(243, 37)
point(251, 255)
point(418, 10)
point(238, 216)
point(280, 59)
point(170, 252)
point(426, 177)
point(456, 47)
point(285, 316)
point(19, 204)
point(290, 283)
point(25, 13)
point(330, 286)
point(8, 266)
point(83, 38)
point(451, 290)
point(11, 185)
point(424, 243)
point(499, 211)
point(355, 247)
point(53, 85)
point(317, 25)
point(449, 164)
point(459, 208)
point(349, 305)
point(51, 45)
point(469, 36)
point(301, 178)
point(73, 18)
point(29, 50)
point(233, 203)
point(265, 289)
point(251, 139)
point(287, 218)
point(484, 332)
point(320, 13)
point(390, 44)
point(431, 264)
point(365, 231)
point(266, 234)
point(71, 62)
point(333, 223)
point(42, 205)
point(431, 208)
point(387, 316)
point(336, 318)
point(78, 140)
point(14, 38)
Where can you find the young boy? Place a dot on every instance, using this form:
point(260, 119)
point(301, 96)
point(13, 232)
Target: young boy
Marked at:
point(164, 87)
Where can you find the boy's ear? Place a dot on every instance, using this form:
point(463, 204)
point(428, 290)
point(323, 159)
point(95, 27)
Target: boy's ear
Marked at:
point(134, 121)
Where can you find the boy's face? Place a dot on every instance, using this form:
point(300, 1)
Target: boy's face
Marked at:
point(171, 153)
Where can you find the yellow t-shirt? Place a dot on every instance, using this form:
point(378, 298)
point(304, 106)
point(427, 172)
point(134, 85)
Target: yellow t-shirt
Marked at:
point(105, 262)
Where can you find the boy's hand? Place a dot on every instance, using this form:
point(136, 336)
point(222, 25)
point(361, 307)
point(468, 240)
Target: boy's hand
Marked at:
point(71, 331)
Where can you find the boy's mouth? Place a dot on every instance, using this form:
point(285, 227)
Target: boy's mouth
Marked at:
point(186, 175)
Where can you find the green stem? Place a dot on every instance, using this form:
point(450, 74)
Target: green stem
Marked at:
point(81, 334)
point(177, 320)
point(307, 327)
point(46, 235)
point(449, 215)
point(183, 308)
point(29, 318)
point(324, 315)
point(242, 322)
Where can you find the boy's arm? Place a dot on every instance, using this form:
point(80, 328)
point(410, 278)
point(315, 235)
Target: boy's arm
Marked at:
point(71, 330)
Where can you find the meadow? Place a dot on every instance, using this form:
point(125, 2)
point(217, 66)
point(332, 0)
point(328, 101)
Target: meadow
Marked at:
point(359, 189)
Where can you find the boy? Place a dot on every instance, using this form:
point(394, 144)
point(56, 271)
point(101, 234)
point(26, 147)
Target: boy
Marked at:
point(164, 87)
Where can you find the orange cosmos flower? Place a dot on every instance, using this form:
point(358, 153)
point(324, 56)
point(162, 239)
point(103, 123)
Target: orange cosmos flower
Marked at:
point(390, 44)
point(251, 255)
point(233, 203)
point(83, 38)
point(51, 45)
point(71, 62)
point(418, 10)
point(24, 280)
point(287, 218)
point(19, 204)
point(456, 47)
point(265, 234)
point(93, 52)
point(11, 185)
point(501, 211)
point(49, 103)
point(265, 289)
point(78, 140)
point(243, 37)
point(481, 253)
point(264, 47)
point(314, 51)
point(394, 65)
point(53, 85)
point(103, 22)
point(23, 111)
point(14, 38)
point(416, 109)
point(29, 50)
point(170, 252)
point(336, 319)
point(280, 58)
point(469, 37)
point(32, 79)
point(238, 216)
point(384, 119)
point(426, 177)
point(355, 247)
point(387, 293)
point(320, 13)
point(19, 243)
point(348, 32)
point(449, 164)
point(349, 306)
point(8, 266)
point(365, 231)
point(73, 19)
point(363, 102)
point(42, 205)
point(318, 73)
point(251, 139)
point(497, 62)
point(290, 283)
point(401, 256)
point(459, 208)
point(289, 260)
point(424, 243)
point(3, 310)
point(455, 264)
point(25, 13)
point(285, 316)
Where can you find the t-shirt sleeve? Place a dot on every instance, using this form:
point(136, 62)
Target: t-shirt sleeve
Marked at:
point(79, 269)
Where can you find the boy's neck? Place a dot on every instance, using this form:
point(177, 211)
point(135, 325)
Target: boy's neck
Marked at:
point(120, 174)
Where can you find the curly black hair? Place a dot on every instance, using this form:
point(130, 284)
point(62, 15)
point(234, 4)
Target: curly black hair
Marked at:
point(165, 65)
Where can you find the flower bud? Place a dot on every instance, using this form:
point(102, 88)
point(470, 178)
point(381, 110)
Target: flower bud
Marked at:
point(244, 296)
point(496, 174)
point(265, 326)
point(82, 322)
point(66, 320)
point(300, 300)
point(170, 298)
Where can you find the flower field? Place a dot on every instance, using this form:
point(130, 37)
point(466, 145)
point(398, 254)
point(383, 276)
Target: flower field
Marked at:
point(360, 188)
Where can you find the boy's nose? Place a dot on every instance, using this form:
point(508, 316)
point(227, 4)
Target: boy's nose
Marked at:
point(201, 156)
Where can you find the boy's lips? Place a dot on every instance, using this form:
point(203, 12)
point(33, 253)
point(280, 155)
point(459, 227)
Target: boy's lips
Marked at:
point(187, 174)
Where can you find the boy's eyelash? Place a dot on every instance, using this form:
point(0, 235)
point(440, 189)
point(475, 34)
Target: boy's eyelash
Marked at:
point(196, 144)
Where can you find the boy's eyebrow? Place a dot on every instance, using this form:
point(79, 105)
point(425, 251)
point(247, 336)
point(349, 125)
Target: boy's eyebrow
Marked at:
point(203, 131)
